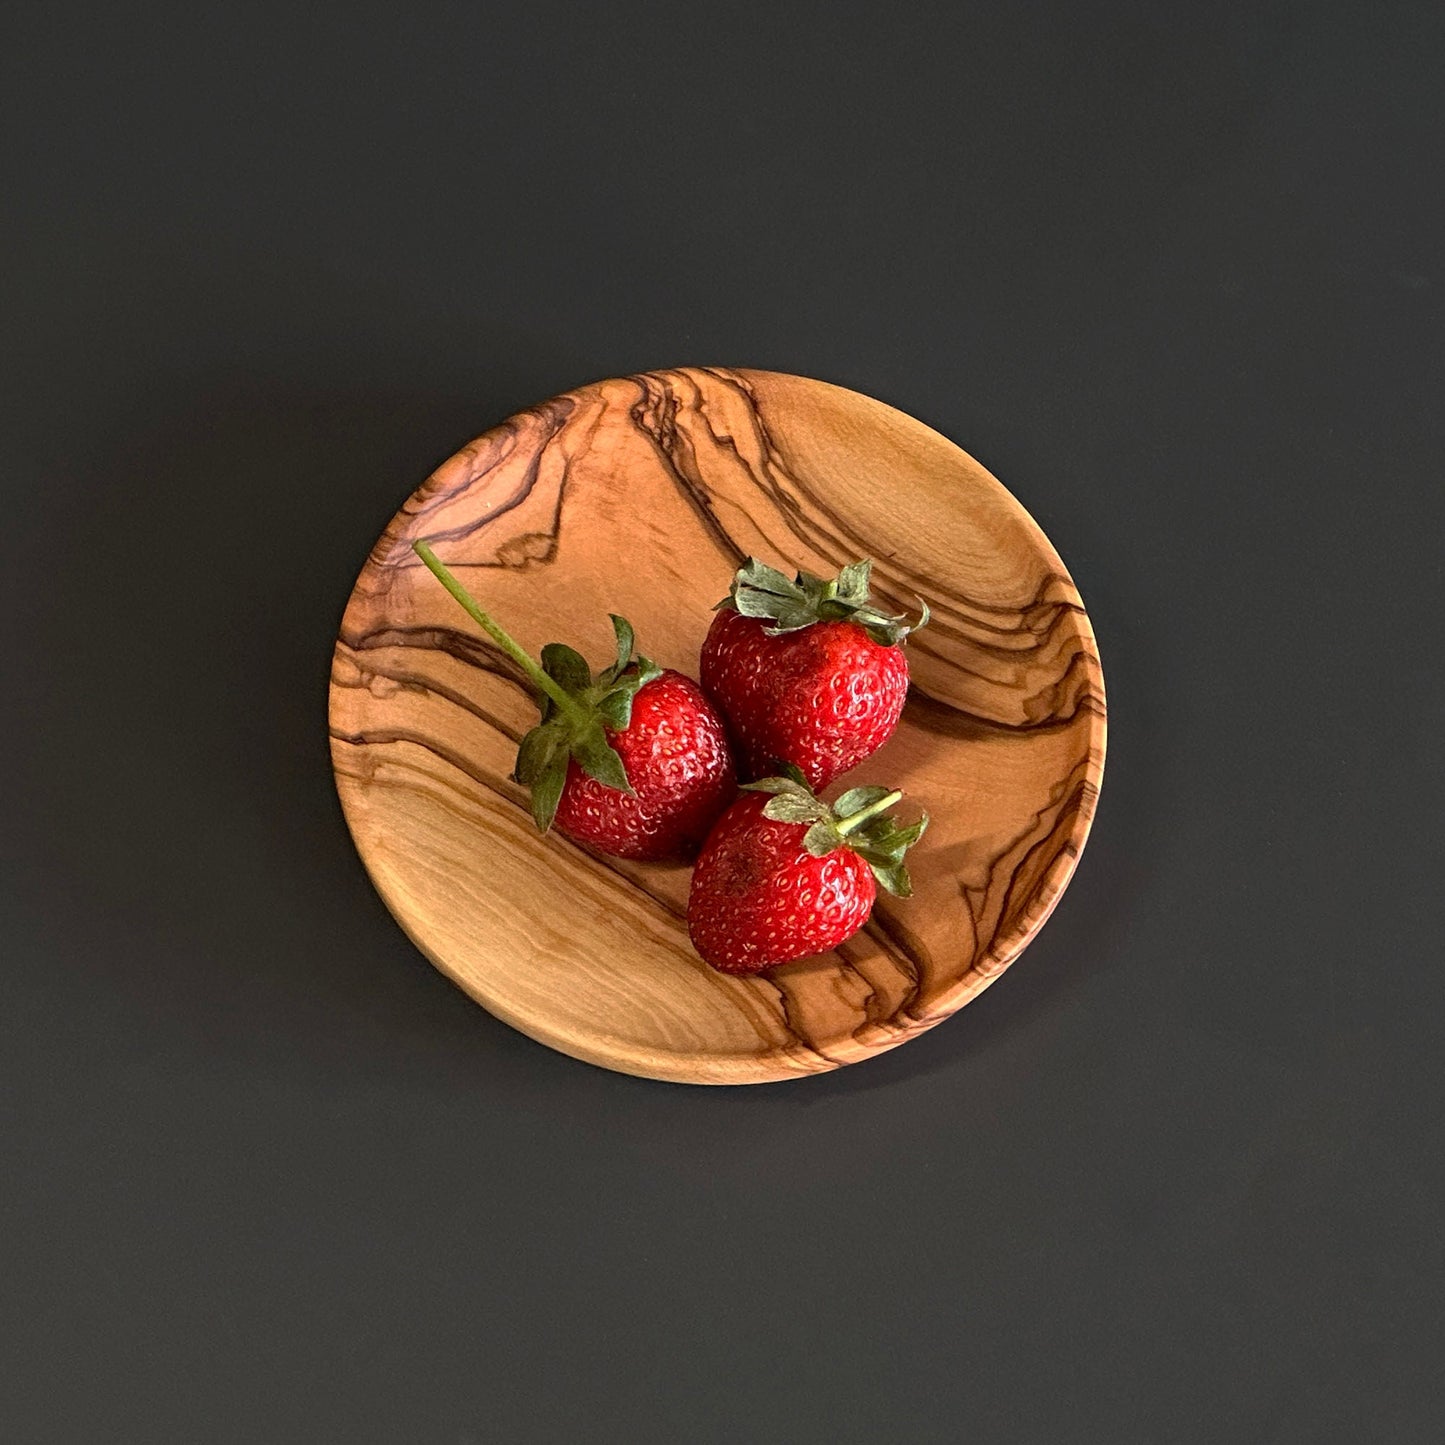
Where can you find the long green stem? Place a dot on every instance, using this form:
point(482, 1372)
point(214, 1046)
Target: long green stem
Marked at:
point(871, 811)
point(494, 629)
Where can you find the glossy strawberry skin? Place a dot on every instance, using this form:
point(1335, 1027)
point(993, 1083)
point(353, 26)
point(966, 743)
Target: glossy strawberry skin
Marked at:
point(823, 698)
point(676, 755)
point(759, 898)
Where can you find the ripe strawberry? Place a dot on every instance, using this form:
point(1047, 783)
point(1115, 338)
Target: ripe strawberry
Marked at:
point(808, 672)
point(675, 752)
point(785, 876)
point(632, 762)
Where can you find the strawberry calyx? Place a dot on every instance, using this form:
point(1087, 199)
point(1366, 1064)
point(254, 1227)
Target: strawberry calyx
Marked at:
point(765, 593)
point(578, 709)
point(858, 820)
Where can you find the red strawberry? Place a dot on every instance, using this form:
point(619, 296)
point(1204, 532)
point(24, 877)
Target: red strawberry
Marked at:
point(632, 762)
point(675, 752)
point(785, 876)
point(808, 672)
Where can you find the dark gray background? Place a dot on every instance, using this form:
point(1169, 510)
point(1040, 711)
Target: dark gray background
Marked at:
point(267, 1177)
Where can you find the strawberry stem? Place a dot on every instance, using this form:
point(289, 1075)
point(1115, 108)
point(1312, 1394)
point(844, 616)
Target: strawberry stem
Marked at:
point(494, 630)
point(853, 820)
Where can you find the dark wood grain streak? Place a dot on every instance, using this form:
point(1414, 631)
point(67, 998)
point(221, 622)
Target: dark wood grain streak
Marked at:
point(684, 473)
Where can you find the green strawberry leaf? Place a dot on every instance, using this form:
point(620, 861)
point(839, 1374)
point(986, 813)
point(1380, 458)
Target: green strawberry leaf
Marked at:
point(618, 684)
point(757, 604)
point(877, 837)
point(538, 749)
point(787, 779)
point(764, 593)
point(851, 585)
point(790, 807)
point(599, 759)
point(547, 790)
point(894, 879)
point(771, 785)
point(792, 618)
point(566, 667)
point(858, 820)
point(615, 708)
point(908, 836)
point(822, 838)
point(882, 835)
point(855, 799)
point(625, 641)
point(760, 576)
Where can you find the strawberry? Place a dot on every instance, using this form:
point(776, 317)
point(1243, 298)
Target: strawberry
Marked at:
point(808, 672)
point(632, 762)
point(783, 875)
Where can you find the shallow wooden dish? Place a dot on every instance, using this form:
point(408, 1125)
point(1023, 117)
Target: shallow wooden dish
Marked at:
point(642, 496)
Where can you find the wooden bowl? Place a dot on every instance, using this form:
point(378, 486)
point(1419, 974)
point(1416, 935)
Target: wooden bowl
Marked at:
point(642, 496)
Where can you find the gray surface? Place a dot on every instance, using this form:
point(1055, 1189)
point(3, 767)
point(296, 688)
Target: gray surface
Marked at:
point(270, 1178)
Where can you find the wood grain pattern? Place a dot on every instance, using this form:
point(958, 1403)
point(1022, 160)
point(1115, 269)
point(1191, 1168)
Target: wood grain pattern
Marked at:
point(689, 472)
